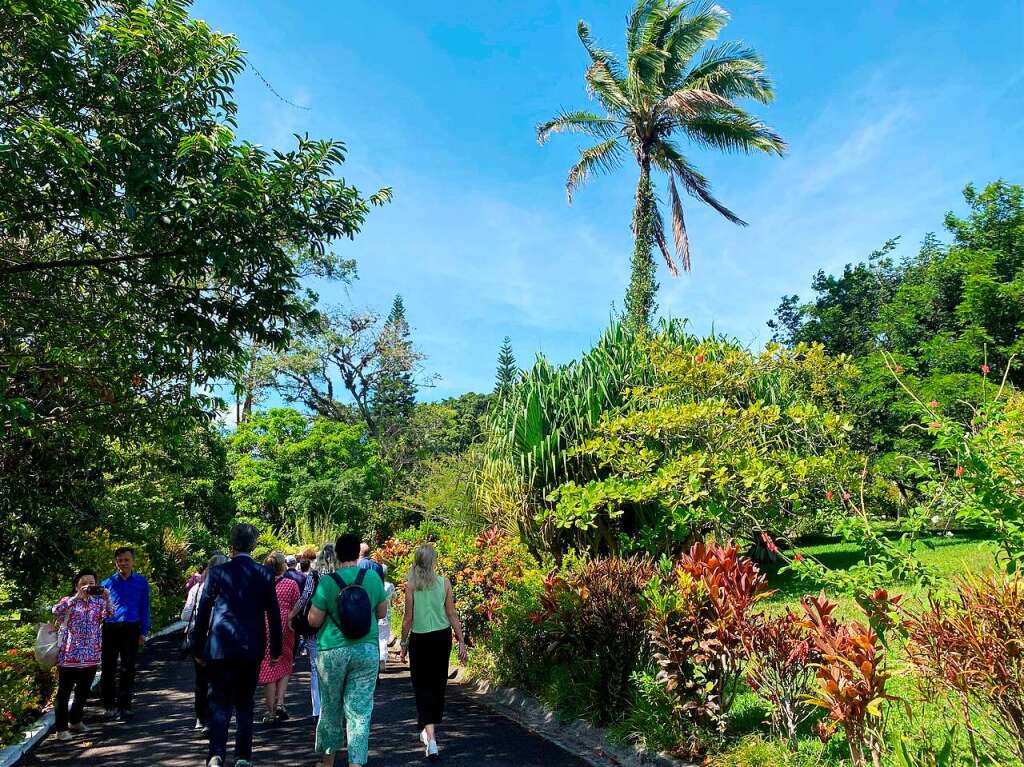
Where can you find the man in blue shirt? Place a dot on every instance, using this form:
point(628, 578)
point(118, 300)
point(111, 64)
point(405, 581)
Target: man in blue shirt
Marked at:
point(365, 563)
point(123, 634)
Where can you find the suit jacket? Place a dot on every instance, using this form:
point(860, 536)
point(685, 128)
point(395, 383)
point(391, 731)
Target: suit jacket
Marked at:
point(238, 603)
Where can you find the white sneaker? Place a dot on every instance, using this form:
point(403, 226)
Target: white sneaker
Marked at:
point(432, 750)
point(63, 735)
point(80, 727)
point(425, 742)
point(215, 761)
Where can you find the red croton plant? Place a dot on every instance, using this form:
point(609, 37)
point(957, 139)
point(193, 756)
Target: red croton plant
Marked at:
point(851, 678)
point(698, 631)
point(972, 648)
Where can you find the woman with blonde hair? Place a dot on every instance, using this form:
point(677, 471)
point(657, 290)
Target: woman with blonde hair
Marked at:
point(430, 619)
point(274, 675)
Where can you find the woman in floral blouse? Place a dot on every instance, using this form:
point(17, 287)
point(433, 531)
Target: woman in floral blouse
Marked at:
point(80, 619)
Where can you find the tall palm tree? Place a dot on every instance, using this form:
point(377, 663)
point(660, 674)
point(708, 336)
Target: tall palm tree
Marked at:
point(668, 89)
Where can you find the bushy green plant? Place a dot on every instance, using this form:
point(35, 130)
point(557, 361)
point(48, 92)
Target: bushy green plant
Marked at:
point(25, 689)
point(717, 439)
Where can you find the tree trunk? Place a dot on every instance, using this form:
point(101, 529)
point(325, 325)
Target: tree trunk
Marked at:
point(640, 304)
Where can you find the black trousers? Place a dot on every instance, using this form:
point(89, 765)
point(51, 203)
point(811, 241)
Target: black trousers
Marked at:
point(202, 694)
point(232, 689)
point(71, 679)
point(428, 665)
point(120, 651)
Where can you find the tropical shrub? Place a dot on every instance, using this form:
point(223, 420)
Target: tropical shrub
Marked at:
point(970, 648)
point(717, 440)
point(24, 688)
point(781, 670)
point(534, 426)
point(599, 616)
point(700, 614)
point(851, 680)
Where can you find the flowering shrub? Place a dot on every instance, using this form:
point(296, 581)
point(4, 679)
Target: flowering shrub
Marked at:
point(781, 669)
point(24, 688)
point(479, 568)
point(972, 647)
point(851, 680)
point(698, 625)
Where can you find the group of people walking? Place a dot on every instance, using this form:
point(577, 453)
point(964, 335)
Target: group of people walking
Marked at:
point(246, 621)
point(100, 625)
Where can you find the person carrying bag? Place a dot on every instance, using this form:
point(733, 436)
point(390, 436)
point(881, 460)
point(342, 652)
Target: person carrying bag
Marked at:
point(345, 606)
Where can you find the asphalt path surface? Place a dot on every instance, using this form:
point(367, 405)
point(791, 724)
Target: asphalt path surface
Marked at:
point(161, 732)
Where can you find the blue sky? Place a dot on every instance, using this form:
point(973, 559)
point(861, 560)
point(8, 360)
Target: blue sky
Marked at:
point(889, 107)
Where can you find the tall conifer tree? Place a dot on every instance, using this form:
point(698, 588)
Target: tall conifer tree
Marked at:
point(508, 370)
point(394, 398)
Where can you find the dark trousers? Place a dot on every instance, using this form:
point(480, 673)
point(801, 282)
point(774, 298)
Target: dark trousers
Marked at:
point(202, 694)
point(120, 650)
point(232, 688)
point(428, 665)
point(71, 679)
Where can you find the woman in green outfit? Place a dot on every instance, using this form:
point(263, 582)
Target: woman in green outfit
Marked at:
point(430, 618)
point(347, 668)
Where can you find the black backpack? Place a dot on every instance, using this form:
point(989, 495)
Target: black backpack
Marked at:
point(300, 623)
point(353, 607)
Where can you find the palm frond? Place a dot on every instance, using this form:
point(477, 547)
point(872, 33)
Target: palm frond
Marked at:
point(600, 158)
point(734, 130)
point(689, 103)
point(636, 20)
point(581, 122)
point(688, 34)
point(644, 68)
point(732, 70)
point(597, 54)
point(682, 240)
point(659, 237)
point(669, 159)
point(607, 88)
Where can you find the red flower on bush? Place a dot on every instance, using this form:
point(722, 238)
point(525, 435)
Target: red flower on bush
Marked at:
point(769, 543)
point(985, 370)
point(933, 404)
point(959, 471)
point(798, 557)
point(934, 425)
point(828, 495)
point(846, 495)
point(699, 359)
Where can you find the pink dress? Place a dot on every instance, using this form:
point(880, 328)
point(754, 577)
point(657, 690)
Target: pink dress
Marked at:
point(287, 596)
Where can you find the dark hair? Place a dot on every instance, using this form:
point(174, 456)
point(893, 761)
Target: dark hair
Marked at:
point(346, 548)
point(244, 537)
point(78, 576)
point(124, 550)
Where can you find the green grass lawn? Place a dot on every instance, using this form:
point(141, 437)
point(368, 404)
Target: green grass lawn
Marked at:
point(948, 557)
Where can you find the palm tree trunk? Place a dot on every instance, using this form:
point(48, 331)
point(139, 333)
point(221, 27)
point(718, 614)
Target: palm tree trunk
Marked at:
point(640, 304)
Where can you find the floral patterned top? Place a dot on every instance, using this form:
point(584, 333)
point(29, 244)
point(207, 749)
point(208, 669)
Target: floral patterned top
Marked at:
point(80, 635)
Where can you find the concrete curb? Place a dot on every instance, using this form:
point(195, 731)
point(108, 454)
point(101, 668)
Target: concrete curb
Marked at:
point(11, 755)
point(579, 738)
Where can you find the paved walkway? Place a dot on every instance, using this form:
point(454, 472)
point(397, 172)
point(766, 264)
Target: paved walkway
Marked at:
point(161, 733)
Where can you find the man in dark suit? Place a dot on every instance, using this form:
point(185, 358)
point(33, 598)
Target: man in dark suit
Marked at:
point(230, 637)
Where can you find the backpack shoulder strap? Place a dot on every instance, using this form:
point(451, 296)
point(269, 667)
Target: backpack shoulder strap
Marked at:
point(360, 577)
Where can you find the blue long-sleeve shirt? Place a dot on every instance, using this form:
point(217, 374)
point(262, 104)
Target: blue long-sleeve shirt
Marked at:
point(131, 599)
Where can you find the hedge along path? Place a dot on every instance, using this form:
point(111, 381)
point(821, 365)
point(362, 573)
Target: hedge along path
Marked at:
point(161, 733)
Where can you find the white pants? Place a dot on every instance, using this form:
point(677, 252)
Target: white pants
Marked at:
point(314, 679)
point(384, 636)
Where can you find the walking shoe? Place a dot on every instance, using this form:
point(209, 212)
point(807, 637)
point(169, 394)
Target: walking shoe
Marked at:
point(432, 754)
point(109, 714)
point(78, 727)
point(281, 713)
point(269, 719)
point(215, 761)
point(63, 735)
point(199, 725)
